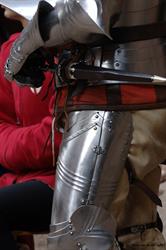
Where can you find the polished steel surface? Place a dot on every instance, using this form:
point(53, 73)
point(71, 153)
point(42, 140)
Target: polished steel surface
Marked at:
point(29, 41)
point(148, 57)
point(90, 163)
point(86, 21)
point(91, 142)
point(83, 21)
point(25, 8)
point(90, 228)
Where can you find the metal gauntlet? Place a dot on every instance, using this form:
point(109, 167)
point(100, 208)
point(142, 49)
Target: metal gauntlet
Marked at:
point(83, 21)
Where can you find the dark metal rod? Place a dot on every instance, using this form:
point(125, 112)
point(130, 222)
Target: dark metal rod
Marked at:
point(92, 73)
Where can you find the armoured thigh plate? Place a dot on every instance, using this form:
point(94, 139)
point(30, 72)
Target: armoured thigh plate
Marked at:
point(90, 163)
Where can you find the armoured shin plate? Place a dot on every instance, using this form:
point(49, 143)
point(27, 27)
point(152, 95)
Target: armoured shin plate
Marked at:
point(90, 163)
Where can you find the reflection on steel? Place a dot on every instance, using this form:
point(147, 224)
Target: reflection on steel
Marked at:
point(91, 73)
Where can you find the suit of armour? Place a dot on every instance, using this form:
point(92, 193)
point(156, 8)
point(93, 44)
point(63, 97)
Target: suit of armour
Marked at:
point(111, 61)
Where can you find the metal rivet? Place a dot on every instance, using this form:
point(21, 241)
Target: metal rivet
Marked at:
point(118, 51)
point(71, 233)
point(19, 48)
point(117, 64)
point(82, 201)
point(95, 128)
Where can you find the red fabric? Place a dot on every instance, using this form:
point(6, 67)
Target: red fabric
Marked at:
point(138, 94)
point(119, 97)
point(25, 127)
point(93, 96)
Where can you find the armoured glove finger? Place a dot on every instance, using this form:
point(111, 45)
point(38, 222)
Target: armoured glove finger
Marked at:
point(27, 43)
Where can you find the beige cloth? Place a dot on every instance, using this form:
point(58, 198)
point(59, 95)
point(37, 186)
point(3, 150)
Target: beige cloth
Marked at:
point(151, 239)
point(131, 205)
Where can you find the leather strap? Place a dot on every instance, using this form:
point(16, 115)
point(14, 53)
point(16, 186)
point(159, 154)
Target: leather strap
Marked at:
point(133, 179)
point(137, 33)
point(136, 229)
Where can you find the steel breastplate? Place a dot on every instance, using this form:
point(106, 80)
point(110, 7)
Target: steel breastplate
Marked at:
point(148, 56)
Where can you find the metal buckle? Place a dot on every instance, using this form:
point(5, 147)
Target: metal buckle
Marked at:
point(138, 229)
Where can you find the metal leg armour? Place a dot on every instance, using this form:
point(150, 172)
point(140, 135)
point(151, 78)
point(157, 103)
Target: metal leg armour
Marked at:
point(89, 167)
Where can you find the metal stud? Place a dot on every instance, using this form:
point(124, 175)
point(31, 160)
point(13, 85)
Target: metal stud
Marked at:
point(117, 64)
point(18, 48)
point(118, 51)
point(82, 201)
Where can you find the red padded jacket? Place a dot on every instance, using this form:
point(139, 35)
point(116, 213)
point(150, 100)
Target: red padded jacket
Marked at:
point(25, 127)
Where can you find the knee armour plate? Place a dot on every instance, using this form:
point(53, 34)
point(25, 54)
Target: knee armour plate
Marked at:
point(90, 164)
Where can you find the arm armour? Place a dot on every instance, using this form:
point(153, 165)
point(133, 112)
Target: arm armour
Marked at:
point(82, 21)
